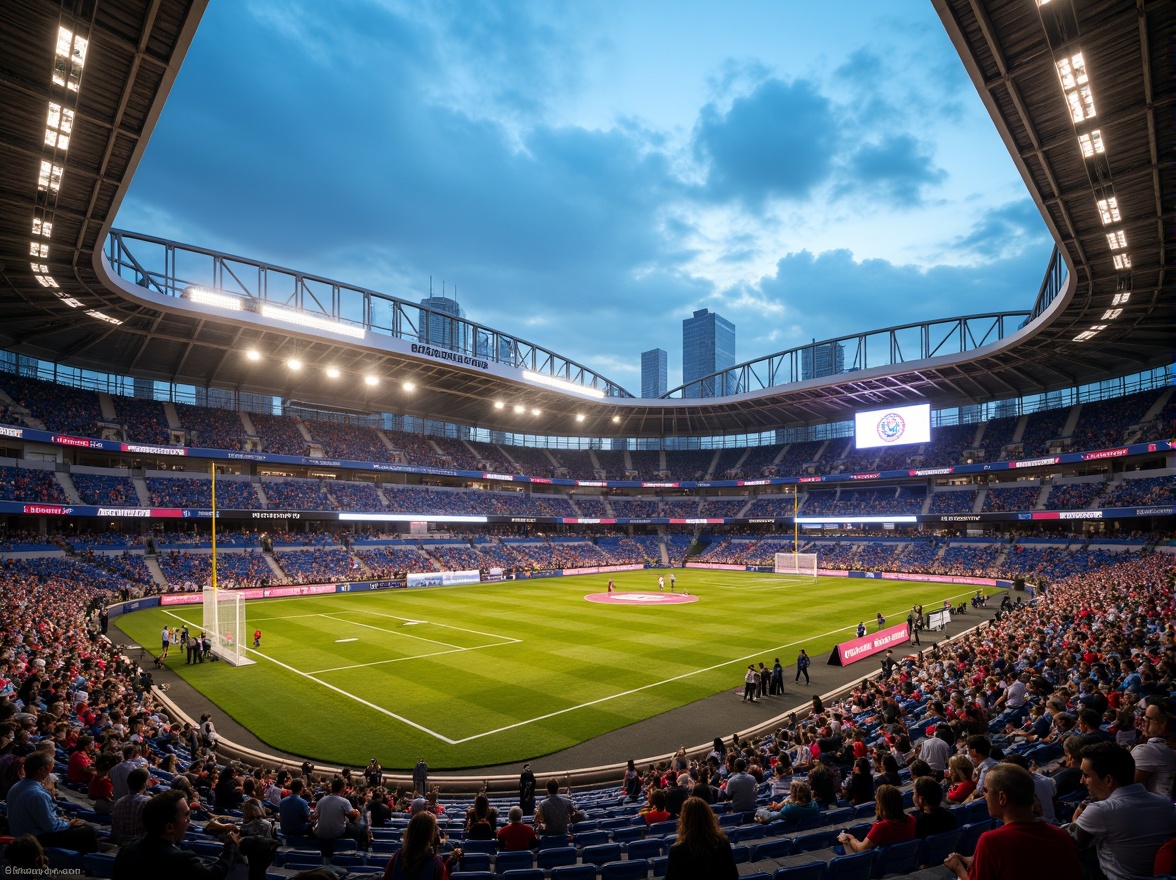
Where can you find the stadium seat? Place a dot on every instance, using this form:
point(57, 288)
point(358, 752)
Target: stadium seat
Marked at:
point(478, 846)
point(99, 865)
point(812, 841)
point(590, 838)
point(548, 859)
point(552, 841)
point(472, 875)
point(574, 872)
point(628, 834)
point(740, 853)
point(747, 832)
point(898, 858)
point(807, 871)
point(601, 853)
point(758, 875)
point(937, 847)
point(658, 829)
point(970, 833)
point(858, 866)
point(473, 861)
point(524, 874)
point(773, 849)
point(658, 865)
point(510, 861)
point(644, 849)
point(634, 869)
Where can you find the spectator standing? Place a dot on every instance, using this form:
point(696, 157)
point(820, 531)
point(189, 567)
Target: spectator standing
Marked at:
point(701, 851)
point(126, 821)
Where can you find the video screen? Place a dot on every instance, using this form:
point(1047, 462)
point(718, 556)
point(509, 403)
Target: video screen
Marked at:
point(896, 426)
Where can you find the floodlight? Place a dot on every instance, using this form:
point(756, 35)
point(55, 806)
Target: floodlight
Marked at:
point(410, 386)
point(561, 384)
point(294, 364)
point(294, 316)
point(332, 372)
point(579, 417)
point(370, 380)
point(519, 408)
point(536, 412)
point(498, 404)
point(616, 418)
point(253, 354)
point(206, 297)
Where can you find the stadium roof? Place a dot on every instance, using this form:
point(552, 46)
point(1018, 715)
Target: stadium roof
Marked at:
point(1081, 93)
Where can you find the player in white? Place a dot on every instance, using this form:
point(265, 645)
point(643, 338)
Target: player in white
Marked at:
point(661, 584)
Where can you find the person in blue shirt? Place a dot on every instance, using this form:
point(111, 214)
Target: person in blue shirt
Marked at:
point(294, 812)
point(32, 810)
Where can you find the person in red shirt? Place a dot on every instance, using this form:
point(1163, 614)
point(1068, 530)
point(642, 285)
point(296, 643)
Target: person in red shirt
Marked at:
point(893, 825)
point(1025, 845)
point(514, 835)
point(80, 768)
point(657, 811)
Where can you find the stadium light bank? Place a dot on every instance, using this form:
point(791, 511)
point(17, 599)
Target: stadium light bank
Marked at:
point(562, 385)
point(207, 297)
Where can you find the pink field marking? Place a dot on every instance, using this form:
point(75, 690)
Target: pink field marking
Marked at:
point(632, 598)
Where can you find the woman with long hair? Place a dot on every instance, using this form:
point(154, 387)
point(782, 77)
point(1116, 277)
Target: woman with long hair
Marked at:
point(959, 775)
point(859, 788)
point(702, 851)
point(419, 856)
point(893, 824)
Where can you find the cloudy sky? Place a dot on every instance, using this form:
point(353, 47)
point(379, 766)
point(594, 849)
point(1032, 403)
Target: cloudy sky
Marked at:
point(588, 173)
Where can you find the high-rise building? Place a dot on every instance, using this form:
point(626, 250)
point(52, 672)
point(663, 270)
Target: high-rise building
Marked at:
point(653, 373)
point(827, 359)
point(439, 330)
point(708, 346)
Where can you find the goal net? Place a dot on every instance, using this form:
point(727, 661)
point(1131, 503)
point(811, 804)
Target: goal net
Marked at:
point(224, 621)
point(798, 564)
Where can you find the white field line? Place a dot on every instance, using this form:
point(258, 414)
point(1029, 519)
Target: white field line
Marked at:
point(565, 711)
point(349, 696)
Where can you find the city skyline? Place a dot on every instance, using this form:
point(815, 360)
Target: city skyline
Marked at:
point(592, 173)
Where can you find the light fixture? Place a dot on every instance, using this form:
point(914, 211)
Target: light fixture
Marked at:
point(1111, 314)
point(536, 411)
point(70, 59)
point(1122, 261)
point(49, 179)
point(58, 126)
point(1108, 210)
point(253, 354)
point(294, 364)
point(561, 384)
point(1076, 87)
point(303, 319)
point(43, 228)
point(410, 386)
point(616, 419)
point(1121, 298)
point(206, 297)
point(94, 313)
point(332, 372)
point(579, 417)
point(519, 408)
point(498, 404)
point(370, 380)
point(36, 249)
point(1091, 144)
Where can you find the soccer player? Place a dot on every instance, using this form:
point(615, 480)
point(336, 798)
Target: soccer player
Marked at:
point(661, 584)
point(611, 585)
point(673, 580)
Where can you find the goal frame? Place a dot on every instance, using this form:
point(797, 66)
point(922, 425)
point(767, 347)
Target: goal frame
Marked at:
point(224, 621)
point(796, 564)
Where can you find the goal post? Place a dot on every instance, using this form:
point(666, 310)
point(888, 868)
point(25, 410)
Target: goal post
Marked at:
point(798, 564)
point(224, 621)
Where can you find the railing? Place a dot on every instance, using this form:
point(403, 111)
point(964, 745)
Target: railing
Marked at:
point(861, 351)
point(168, 268)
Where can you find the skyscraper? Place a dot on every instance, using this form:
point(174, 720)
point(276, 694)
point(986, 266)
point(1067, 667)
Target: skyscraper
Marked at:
point(827, 359)
point(441, 331)
point(653, 373)
point(708, 346)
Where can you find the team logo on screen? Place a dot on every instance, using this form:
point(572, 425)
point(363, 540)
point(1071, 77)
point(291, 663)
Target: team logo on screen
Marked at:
point(891, 427)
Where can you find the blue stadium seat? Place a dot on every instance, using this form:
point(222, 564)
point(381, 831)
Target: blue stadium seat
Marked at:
point(552, 841)
point(898, 858)
point(474, 861)
point(547, 859)
point(634, 869)
point(601, 853)
point(858, 866)
point(937, 847)
point(590, 838)
point(658, 865)
point(472, 875)
point(807, 871)
point(524, 874)
point(478, 846)
point(628, 833)
point(510, 861)
point(574, 872)
point(773, 849)
point(99, 865)
point(970, 833)
point(645, 849)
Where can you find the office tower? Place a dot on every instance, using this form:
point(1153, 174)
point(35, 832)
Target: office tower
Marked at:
point(436, 329)
point(708, 346)
point(653, 373)
point(827, 359)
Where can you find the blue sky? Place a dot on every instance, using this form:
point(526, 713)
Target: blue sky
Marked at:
point(589, 173)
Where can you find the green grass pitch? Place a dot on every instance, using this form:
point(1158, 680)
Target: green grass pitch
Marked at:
point(494, 673)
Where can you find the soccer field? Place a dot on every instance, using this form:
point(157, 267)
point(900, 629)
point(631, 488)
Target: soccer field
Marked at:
point(487, 674)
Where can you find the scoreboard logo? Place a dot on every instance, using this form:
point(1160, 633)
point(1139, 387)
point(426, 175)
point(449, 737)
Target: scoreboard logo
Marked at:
point(891, 427)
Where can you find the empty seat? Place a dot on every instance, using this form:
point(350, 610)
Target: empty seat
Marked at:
point(601, 853)
point(858, 866)
point(634, 869)
point(644, 849)
point(510, 861)
point(548, 859)
point(807, 871)
point(574, 872)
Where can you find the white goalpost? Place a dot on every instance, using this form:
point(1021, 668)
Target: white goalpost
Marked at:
point(797, 564)
point(224, 621)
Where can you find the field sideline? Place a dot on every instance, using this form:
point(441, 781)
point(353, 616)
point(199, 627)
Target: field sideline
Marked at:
point(489, 674)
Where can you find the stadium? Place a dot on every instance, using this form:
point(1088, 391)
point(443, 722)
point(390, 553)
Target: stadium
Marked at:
point(347, 491)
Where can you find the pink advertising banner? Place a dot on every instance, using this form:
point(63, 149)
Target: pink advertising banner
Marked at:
point(867, 646)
